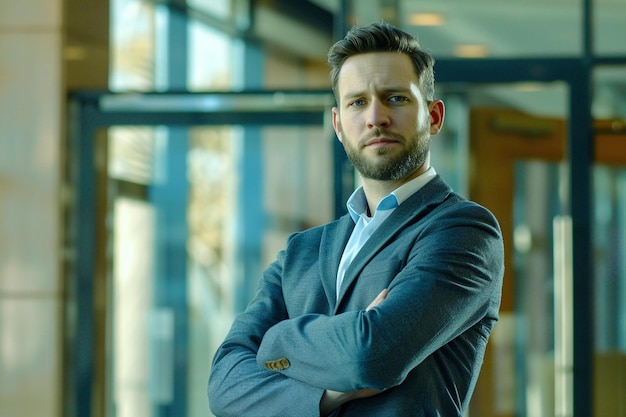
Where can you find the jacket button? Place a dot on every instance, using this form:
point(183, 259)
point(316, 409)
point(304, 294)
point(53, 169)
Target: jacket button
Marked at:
point(278, 365)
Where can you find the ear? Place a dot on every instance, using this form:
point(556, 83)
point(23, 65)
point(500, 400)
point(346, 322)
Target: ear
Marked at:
point(337, 123)
point(437, 112)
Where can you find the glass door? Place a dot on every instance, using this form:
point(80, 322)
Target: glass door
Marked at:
point(189, 237)
point(517, 176)
point(610, 286)
point(520, 172)
point(181, 203)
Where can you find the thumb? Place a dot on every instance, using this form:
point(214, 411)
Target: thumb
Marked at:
point(379, 299)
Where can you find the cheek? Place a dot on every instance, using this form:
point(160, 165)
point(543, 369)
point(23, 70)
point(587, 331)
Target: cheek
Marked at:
point(422, 114)
point(423, 118)
point(346, 126)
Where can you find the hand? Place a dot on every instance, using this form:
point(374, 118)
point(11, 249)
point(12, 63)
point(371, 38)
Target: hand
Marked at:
point(379, 299)
point(333, 399)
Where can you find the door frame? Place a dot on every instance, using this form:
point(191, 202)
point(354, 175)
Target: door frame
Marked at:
point(576, 74)
point(498, 138)
point(90, 114)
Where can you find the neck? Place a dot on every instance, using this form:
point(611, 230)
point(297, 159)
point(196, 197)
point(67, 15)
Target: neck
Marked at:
point(376, 190)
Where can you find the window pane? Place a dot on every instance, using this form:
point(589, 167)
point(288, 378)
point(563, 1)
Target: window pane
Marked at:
point(210, 58)
point(610, 27)
point(212, 273)
point(609, 246)
point(131, 305)
point(503, 146)
point(609, 100)
point(155, 226)
point(610, 289)
point(218, 8)
point(132, 45)
point(491, 28)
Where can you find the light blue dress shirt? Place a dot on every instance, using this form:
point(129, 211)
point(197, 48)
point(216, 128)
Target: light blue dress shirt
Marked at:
point(365, 225)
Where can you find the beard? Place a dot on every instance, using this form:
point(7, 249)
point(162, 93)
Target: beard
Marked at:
point(387, 165)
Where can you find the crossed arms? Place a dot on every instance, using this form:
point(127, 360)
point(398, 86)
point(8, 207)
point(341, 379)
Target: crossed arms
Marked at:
point(439, 292)
point(334, 399)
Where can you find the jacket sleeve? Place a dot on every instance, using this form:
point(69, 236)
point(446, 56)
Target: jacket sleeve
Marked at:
point(451, 282)
point(238, 387)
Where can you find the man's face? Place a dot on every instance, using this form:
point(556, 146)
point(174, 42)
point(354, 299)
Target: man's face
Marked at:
point(382, 119)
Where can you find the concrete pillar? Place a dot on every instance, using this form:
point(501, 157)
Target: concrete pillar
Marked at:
point(46, 47)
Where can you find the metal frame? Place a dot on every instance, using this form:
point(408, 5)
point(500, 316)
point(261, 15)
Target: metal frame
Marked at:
point(577, 74)
point(91, 111)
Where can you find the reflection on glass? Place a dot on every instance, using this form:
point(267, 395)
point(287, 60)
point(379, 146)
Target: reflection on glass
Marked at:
point(133, 46)
point(536, 204)
point(609, 243)
point(609, 228)
point(131, 154)
point(131, 304)
point(210, 58)
point(296, 179)
point(218, 8)
point(563, 317)
point(609, 100)
point(211, 281)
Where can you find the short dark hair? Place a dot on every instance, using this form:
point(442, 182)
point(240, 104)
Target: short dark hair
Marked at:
point(383, 37)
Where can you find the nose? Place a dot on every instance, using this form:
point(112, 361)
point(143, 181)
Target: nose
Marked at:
point(378, 115)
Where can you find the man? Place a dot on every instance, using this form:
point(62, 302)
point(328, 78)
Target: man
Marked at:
point(386, 311)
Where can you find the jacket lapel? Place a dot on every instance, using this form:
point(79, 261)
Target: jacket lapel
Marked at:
point(334, 240)
point(410, 211)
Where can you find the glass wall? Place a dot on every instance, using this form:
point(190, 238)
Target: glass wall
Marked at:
point(515, 154)
point(609, 245)
point(208, 233)
point(193, 213)
point(490, 28)
point(608, 25)
point(196, 212)
point(149, 167)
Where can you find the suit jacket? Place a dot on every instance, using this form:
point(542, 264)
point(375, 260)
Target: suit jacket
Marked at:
point(440, 256)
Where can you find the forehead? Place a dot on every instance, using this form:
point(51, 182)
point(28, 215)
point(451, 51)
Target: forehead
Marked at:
point(377, 69)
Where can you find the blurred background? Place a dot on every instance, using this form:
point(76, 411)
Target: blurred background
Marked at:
point(154, 156)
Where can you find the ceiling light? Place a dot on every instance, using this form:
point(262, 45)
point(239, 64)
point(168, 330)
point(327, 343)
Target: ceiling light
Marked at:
point(426, 19)
point(470, 51)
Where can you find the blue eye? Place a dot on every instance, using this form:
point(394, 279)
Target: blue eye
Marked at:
point(398, 99)
point(357, 103)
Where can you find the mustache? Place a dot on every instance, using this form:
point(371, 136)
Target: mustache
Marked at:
point(382, 133)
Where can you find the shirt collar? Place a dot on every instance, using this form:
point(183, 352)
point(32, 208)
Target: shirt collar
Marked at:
point(357, 203)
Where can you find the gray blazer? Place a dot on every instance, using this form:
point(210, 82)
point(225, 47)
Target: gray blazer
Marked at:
point(441, 257)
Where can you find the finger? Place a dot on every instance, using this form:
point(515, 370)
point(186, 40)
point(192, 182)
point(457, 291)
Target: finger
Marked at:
point(366, 392)
point(379, 299)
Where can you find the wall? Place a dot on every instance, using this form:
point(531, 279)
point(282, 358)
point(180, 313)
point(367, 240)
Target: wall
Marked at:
point(30, 131)
point(43, 52)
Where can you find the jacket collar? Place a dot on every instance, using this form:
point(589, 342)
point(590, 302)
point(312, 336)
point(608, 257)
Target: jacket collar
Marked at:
point(336, 235)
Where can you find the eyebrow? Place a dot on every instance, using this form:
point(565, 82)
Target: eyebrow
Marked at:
point(384, 91)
